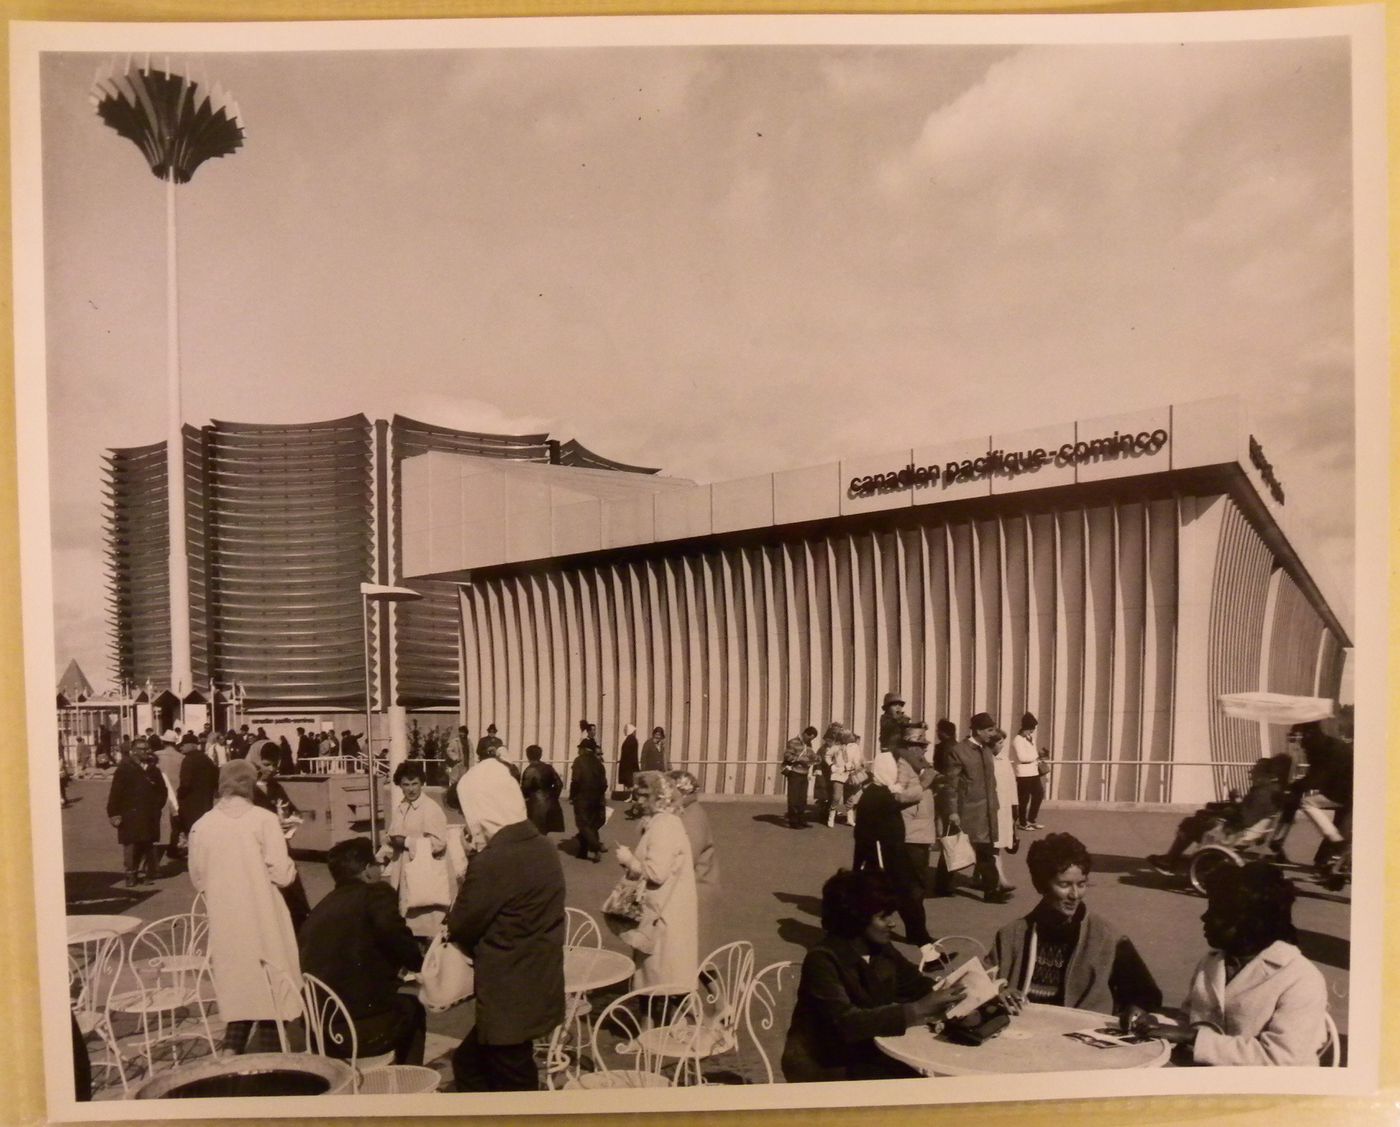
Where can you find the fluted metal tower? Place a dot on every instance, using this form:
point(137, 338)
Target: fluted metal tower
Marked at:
point(177, 126)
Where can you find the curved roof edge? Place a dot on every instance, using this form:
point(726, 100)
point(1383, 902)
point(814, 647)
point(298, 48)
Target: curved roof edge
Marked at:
point(575, 453)
point(435, 428)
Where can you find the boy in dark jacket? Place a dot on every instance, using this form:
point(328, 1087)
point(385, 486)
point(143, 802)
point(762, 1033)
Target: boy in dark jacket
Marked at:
point(356, 942)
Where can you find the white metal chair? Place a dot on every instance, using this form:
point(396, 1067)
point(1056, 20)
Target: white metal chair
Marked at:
point(725, 976)
point(953, 951)
point(762, 1001)
point(165, 987)
point(93, 971)
point(641, 1035)
point(581, 929)
point(328, 1028)
point(1330, 1055)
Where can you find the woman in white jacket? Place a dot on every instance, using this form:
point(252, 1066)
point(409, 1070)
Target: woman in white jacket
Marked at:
point(1030, 788)
point(1254, 999)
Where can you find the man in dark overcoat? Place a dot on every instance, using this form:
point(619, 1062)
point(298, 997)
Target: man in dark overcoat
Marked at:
point(588, 790)
point(971, 789)
point(134, 806)
point(509, 917)
point(198, 786)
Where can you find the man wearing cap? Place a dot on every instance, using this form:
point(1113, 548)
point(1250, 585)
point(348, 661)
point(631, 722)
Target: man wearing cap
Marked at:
point(973, 802)
point(916, 788)
point(134, 806)
point(892, 720)
point(487, 745)
point(199, 783)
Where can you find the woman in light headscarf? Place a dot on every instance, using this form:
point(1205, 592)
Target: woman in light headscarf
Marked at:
point(509, 917)
point(879, 844)
point(663, 857)
point(702, 852)
point(239, 860)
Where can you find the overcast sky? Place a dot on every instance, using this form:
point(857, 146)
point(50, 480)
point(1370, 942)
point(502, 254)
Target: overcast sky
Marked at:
point(720, 261)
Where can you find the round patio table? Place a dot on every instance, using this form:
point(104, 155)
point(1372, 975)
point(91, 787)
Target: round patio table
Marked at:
point(592, 968)
point(586, 969)
point(1035, 1041)
point(83, 929)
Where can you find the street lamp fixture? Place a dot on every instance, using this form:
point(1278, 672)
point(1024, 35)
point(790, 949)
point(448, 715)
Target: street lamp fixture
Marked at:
point(376, 593)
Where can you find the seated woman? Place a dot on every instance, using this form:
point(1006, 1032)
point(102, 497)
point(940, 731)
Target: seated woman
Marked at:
point(1239, 822)
point(1061, 954)
point(855, 987)
point(1254, 999)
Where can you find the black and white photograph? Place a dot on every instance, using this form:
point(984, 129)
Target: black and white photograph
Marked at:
point(642, 563)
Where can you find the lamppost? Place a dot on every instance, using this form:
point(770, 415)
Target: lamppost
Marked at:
point(177, 127)
point(376, 593)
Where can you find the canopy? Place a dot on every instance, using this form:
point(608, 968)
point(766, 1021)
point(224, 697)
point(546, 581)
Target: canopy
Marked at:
point(1275, 708)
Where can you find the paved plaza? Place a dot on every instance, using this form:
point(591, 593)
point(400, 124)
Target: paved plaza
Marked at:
point(772, 878)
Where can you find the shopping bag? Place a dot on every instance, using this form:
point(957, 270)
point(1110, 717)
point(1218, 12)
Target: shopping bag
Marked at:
point(426, 883)
point(447, 976)
point(957, 852)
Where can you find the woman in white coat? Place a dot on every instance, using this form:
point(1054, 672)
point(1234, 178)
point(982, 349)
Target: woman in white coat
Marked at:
point(1254, 999)
point(419, 868)
point(239, 860)
point(1007, 811)
point(663, 858)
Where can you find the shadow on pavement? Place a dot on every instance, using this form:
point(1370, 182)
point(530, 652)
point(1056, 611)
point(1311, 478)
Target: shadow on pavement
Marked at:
point(802, 934)
point(1149, 878)
point(1329, 949)
point(809, 905)
point(772, 820)
point(101, 893)
point(1106, 863)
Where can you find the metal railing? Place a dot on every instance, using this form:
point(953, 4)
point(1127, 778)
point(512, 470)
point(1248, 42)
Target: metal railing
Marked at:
point(1070, 780)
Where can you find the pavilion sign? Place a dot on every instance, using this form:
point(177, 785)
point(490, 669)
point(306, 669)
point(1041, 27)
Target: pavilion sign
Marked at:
point(1010, 463)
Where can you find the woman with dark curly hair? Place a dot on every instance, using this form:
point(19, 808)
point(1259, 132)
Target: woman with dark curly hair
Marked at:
point(1254, 999)
point(1061, 954)
point(855, 987)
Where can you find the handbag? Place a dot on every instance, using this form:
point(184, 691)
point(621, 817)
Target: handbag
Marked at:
point(630, 916)
point(627, 900)
point(447, 976)
point(425, 879)
point(957, 852)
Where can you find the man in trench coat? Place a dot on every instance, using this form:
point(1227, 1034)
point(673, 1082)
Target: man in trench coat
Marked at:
point(972, 795)
point(134, 806)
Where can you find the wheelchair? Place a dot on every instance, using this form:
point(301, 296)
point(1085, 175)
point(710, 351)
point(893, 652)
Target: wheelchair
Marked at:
point(1210, 855)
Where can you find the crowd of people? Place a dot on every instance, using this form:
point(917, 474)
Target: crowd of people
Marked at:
point(920, 813)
